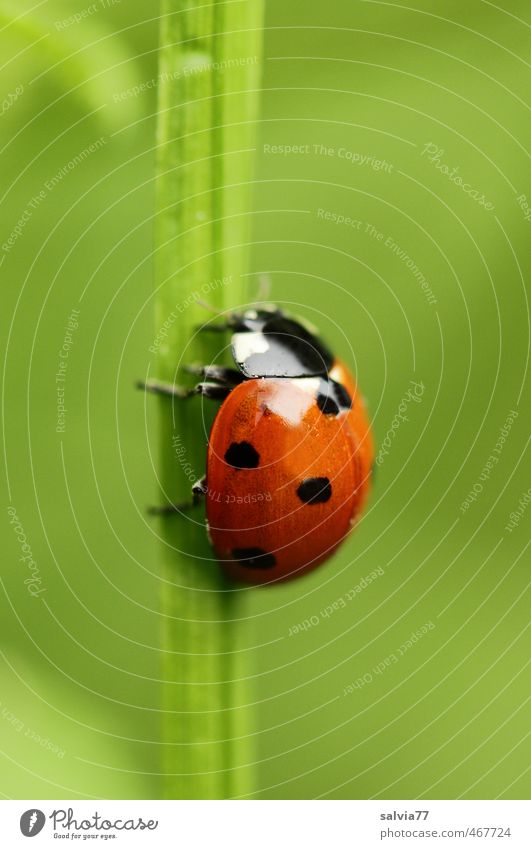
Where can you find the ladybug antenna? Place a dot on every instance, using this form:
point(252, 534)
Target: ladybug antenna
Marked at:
point(207, 306)
point(264, 288)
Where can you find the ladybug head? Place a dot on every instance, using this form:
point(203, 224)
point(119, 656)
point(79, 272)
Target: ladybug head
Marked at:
point(268, 343)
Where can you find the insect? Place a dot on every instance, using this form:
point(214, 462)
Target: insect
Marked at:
point(290, 451)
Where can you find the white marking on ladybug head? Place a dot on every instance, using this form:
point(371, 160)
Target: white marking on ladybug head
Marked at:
point(245, 345)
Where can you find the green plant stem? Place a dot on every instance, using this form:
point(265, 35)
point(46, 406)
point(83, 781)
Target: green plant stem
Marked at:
point(208, 91)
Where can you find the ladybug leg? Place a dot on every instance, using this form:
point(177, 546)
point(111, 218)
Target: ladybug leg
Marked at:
point(220, 374)
point(199, 489)
point(214, 391)
point(158, 387)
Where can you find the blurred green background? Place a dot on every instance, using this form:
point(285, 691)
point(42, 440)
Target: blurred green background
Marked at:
point(363, 88)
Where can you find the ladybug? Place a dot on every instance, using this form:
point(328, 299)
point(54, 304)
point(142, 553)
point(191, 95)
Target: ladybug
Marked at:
point(290, 451)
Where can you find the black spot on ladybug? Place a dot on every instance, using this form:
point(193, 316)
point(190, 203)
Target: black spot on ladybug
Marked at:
point(315, 490)
point(332, 398)
point(242, 455)
point(342, 397)
point(327, 405)
point(254, 558)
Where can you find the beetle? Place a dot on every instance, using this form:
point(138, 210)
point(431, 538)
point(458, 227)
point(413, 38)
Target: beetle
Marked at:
point(290, 452)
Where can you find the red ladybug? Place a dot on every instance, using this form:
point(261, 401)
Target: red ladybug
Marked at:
point(290, 452)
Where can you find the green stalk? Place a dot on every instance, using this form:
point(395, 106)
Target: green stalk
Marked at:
point(208, 93)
